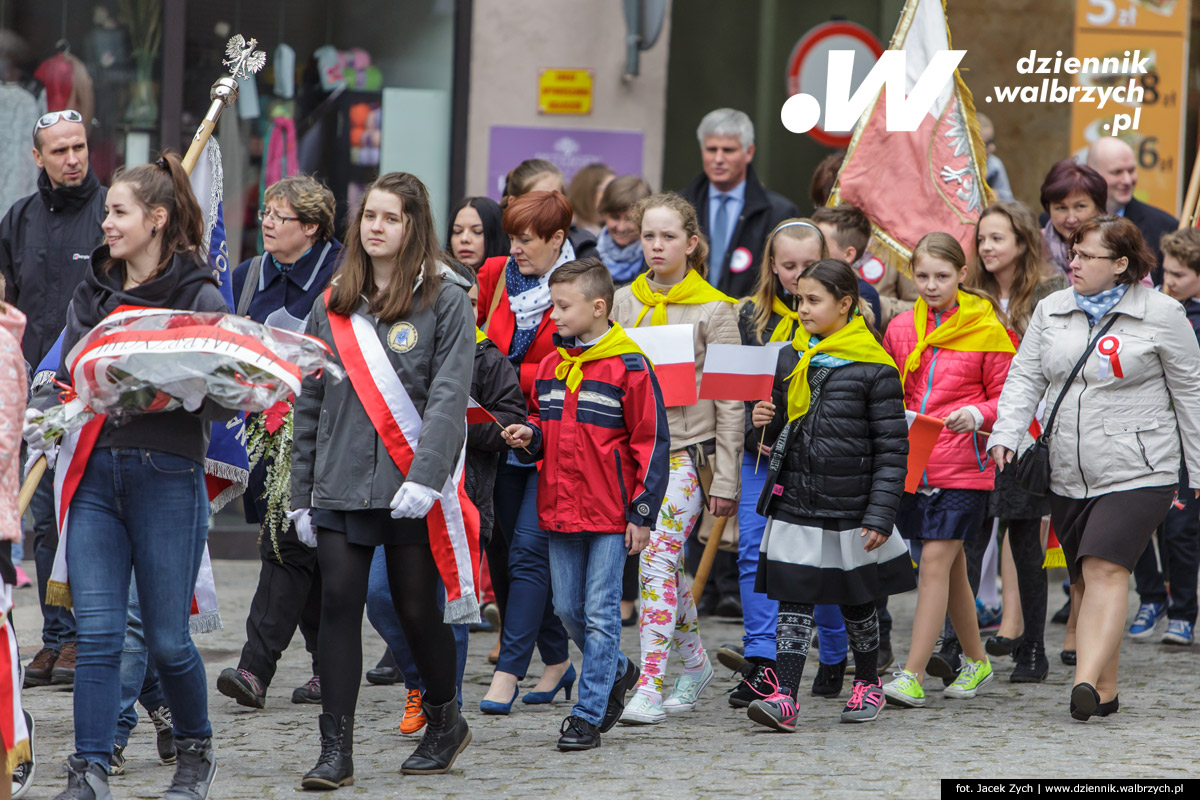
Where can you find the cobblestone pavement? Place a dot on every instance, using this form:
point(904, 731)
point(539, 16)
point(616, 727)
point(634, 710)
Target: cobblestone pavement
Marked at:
point(1010, 731)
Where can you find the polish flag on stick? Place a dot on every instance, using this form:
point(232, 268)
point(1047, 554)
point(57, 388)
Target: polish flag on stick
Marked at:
point(672, 351)
point(738, 372)
point(923, 433)
point(478, 415)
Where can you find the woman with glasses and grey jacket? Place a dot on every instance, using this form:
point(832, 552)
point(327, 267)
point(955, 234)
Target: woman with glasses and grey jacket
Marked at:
point(1115, 442)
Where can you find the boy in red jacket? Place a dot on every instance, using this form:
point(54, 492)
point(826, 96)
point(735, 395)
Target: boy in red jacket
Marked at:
point(598, 422)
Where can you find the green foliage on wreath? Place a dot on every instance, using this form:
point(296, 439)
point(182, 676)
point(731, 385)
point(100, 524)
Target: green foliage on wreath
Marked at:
point(277, 449)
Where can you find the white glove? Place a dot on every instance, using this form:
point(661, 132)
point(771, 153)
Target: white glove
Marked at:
point(302, 519)
point(413, 501)
point(34, 433)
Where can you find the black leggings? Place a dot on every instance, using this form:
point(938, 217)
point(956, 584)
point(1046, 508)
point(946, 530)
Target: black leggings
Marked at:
point(794, 633)
point(1025, 540)
point(413, 577)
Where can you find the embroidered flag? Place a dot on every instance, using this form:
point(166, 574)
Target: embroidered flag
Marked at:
point(739, 372)
point(930, 179)
point(923, 433)
point(672, 351)
point(477, 414)
point(226, 466)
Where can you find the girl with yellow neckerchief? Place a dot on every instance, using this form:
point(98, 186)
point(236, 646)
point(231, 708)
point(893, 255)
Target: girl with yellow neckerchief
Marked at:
point(833, 486)
point(674, 291)
point(771, 315)
point(953, 352)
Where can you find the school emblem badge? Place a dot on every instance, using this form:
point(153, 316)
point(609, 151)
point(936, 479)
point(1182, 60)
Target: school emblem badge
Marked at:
point(402, 337)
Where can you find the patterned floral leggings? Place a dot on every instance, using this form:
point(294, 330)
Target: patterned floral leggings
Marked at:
point(668, 610)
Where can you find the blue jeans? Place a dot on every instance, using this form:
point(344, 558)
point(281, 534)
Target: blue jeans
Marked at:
point(586, 571)
point(139, 679)
point(832, 639)
point(143, 512)
point(759, 612)
point(381, 612)
point(58, 623)
point(529, 614)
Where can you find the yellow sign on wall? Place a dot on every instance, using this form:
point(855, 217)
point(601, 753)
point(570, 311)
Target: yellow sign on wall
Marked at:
point(1148, 40)
point(565, 91)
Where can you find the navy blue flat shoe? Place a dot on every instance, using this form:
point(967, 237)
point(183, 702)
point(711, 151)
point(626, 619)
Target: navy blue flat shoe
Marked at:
point(541, 698)
point(499, 709)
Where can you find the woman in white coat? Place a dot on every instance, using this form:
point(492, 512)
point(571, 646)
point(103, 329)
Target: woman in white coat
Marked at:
point(1115, 443)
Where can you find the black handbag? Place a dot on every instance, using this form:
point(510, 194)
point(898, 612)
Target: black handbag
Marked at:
point(1033, 467)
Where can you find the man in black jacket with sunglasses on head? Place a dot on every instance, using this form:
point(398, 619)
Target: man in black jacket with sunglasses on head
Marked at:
point(46, 241)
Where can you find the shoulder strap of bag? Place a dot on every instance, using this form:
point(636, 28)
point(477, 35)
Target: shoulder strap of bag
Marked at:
point(252, 274)
point(499, 290)
point(1049, 426)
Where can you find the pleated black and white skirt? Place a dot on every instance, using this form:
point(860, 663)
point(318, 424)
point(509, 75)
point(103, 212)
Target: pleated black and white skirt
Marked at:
point(806, 560)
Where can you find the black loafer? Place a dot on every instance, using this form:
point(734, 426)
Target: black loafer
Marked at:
point(1002, 645)
point(616, 697)
point(1085, 701)
point(1068, 657)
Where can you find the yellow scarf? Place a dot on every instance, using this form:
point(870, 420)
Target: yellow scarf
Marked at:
point(614, 343)
point(975, 328)
point(787, 326)
point(480, 336)
point(853, 343)
point(691, 290)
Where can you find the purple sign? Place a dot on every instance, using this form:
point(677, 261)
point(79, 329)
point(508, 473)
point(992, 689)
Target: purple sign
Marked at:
point(571, 149)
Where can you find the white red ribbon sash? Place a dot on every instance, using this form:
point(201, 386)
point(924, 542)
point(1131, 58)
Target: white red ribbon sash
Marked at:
point(453, 521)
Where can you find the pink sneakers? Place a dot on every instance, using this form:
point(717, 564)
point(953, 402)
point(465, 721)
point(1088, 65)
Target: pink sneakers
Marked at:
point(866, 699)
point(776, 710)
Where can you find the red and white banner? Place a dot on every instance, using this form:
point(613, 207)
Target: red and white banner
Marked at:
point(672, 351)
point(14, 735)
point(477, 414)
point(929, 179)
point(453, 521)
point(739, 372)
point(923, 433)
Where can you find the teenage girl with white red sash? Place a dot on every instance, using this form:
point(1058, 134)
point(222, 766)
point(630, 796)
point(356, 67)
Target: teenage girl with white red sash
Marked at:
point(377, 460)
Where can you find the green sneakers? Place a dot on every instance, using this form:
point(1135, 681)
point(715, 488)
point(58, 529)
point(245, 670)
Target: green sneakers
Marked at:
point(905, 690)
point(973, 675)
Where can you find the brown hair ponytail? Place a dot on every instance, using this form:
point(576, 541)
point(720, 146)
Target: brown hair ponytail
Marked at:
point(164, 184)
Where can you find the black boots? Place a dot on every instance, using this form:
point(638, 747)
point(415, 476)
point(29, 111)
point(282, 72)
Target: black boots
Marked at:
point(1032, 664)
point(335, 765)
point(446, 735)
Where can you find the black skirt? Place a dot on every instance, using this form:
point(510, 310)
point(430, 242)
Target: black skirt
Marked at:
point(1115, 526)
point(371, 527)
point(804, 560)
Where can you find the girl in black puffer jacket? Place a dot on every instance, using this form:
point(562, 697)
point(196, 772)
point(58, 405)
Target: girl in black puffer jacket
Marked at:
point(833, 486)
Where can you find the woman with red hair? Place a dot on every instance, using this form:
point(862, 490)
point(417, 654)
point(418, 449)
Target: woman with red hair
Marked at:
point(514, 312)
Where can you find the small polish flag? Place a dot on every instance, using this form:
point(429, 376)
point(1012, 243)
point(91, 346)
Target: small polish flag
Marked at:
point(923, 433)
point(672, 351)
point(738, 372)
point(477, 414)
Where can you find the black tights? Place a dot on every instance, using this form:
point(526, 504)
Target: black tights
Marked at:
point(413, 577)
point(794, 632)
point(1025, 540)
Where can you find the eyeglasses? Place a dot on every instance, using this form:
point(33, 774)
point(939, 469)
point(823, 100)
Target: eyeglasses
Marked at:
point(67, 115)
point(263, 213)
point(1082, 256)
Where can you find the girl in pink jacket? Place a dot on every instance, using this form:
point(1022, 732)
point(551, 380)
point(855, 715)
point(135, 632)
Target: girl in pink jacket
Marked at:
point(953, 352)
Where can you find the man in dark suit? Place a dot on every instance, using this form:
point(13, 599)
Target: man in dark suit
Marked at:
point(1114, 159)
point(736, 212)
